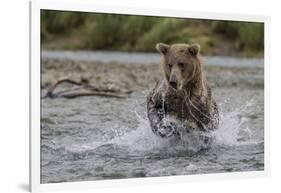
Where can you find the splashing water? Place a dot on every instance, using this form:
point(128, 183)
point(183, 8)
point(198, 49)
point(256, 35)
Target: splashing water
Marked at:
point(232, 132)
point(233, 129)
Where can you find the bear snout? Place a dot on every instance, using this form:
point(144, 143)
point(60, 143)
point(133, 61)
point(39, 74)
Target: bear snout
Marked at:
point(173, 81)
point(173, 84)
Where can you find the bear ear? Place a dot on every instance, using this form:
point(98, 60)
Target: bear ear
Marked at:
point(194, 49)
point(162, 48)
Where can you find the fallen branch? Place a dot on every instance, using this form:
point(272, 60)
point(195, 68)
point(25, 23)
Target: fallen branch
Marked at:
point(82, 88)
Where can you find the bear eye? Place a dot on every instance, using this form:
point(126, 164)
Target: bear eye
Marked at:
point(181, 65)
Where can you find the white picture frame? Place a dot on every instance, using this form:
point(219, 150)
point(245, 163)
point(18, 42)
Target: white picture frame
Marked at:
point(35, 47)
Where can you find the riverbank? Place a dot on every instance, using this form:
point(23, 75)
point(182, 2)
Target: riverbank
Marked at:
point(140, 72)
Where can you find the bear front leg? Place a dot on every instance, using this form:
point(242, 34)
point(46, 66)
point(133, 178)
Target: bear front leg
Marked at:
point(156, 116)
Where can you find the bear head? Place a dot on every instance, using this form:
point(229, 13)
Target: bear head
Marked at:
point(180, 63)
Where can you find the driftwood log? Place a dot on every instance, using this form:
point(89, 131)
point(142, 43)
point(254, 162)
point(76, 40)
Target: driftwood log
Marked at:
point(82, 88)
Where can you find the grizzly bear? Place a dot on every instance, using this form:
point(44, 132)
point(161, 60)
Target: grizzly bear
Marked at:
point(182, 101)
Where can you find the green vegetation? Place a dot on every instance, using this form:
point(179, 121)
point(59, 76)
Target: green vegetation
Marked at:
point(79, 30)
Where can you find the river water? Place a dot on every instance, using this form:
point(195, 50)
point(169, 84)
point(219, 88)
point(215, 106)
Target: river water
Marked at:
point(96, 138)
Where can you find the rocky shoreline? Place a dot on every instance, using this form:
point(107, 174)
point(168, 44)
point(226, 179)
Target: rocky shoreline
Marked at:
point(125, 76)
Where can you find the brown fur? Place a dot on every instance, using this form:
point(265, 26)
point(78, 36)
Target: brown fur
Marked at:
point(184, 94)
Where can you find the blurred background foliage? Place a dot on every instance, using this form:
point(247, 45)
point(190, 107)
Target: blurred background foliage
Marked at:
point(80, 30)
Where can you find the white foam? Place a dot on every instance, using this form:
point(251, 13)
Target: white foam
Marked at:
point(232, 131)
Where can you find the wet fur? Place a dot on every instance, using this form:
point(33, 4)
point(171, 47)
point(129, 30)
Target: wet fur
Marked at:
point(191, 104)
